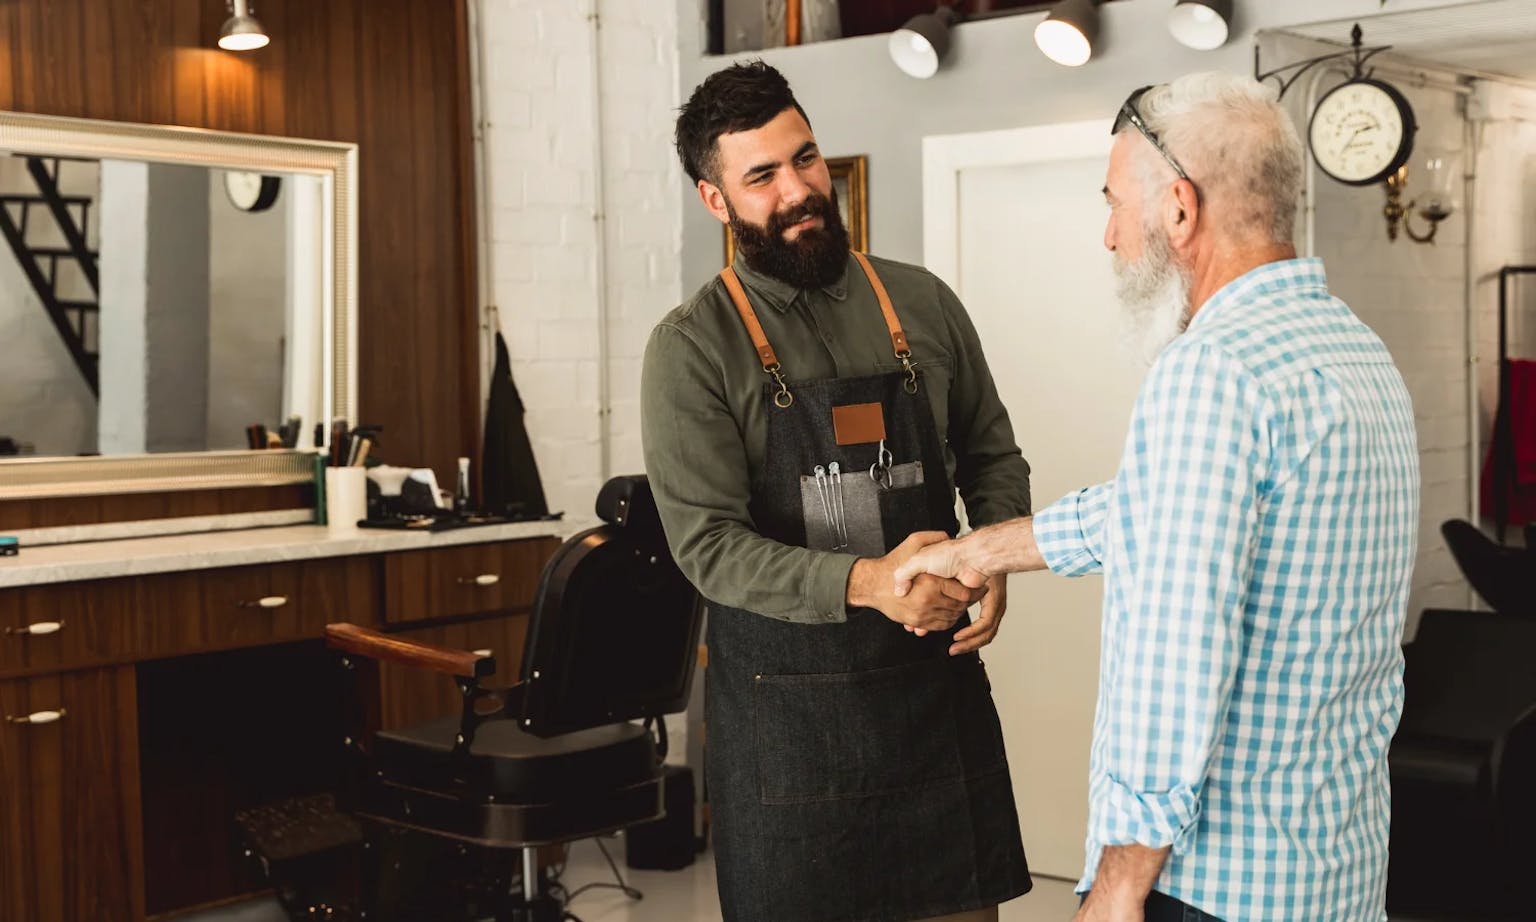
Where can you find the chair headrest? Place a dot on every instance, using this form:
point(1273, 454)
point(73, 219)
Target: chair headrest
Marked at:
point(626, 502)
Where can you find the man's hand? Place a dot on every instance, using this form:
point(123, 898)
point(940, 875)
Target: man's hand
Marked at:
point(929, 603)
point(983, 630)
point(1124, 880)
point(1008, 547)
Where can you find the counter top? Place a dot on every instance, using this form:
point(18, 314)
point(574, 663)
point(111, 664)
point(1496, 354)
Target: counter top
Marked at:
point(62, 563)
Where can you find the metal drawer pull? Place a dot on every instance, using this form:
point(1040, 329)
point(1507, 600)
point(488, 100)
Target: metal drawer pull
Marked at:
point(36, 717)
point(270, 601)
point(37, 629)
point(484, 579)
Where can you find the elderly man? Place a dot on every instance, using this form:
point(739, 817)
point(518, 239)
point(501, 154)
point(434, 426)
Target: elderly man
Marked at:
point(1256, 542)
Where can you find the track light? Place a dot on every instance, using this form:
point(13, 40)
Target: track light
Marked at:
point(241, 31)
point(1201, 24)
point(1066, 35)
point(919, 46)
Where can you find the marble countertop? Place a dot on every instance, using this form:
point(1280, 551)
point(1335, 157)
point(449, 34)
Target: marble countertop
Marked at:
point(62, 563)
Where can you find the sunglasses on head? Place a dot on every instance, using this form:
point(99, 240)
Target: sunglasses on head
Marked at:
point(1129, 114)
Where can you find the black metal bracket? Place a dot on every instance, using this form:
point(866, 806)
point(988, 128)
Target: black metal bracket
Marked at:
point(1357, 51)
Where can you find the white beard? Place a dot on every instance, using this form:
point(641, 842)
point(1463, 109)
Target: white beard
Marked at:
point(1154, 296)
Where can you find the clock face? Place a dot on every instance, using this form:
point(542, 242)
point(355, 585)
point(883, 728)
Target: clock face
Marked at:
point(1362, 132)
point(251, 191)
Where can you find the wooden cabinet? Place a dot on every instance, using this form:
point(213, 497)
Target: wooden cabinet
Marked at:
point(75, 625)
point(70, 824)
point(464, 580)
point(110, 812)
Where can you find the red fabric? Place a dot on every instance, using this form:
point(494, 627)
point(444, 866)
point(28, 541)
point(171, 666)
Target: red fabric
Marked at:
point(1521, 506)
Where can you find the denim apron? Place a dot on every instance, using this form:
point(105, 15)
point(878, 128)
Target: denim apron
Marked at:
point(855, 771)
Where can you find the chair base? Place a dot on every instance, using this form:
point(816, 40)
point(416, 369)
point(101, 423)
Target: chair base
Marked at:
point(511, 825)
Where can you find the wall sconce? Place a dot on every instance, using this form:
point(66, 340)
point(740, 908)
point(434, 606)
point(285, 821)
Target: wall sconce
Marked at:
point(242, 32)
point(1434, 205)
point(1066, 35)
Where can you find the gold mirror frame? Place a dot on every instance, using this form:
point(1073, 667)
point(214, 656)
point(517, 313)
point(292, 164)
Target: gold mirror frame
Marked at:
point(849, 172)
point(334, 162)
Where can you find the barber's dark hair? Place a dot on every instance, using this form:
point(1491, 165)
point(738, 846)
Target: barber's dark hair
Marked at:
point(740, 98)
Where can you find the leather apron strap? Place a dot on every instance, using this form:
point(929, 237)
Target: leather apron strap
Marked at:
point(770, 359)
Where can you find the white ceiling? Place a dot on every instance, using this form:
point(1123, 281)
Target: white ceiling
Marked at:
point(1496, 37)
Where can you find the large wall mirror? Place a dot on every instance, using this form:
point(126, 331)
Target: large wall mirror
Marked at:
point(170, 298)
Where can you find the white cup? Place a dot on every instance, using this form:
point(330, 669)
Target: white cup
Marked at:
point(346, 498)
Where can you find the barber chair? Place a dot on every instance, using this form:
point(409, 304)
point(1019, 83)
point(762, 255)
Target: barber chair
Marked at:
point(1505, 577)
point(613, 639)
point(1463, 767)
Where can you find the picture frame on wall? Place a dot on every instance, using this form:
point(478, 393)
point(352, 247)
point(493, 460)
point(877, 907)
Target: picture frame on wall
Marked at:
point(850, 181)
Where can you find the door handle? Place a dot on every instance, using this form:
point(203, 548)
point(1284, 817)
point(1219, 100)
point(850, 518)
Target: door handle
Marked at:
point(37, 628)
point(269, 601)
point(36, 717)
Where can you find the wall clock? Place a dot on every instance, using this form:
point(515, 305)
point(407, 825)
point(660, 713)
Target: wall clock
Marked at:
point(251, 191)
point(1362, 131)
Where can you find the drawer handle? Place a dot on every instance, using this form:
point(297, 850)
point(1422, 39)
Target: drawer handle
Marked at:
point(269, 601)
point(37, 717)
point(484, 579)
point(37, 629)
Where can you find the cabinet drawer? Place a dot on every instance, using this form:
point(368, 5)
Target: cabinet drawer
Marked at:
point(464, 580)
point(73, 625)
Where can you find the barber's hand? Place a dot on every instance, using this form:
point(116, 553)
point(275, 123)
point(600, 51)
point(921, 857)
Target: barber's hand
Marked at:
point(929, 603)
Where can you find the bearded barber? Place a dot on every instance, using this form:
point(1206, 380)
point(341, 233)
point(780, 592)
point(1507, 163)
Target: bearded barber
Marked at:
point(808, 416)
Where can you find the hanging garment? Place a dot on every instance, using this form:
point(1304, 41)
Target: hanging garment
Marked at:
point(510, 483)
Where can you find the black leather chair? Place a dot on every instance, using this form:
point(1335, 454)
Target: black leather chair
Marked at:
point(1463, 768)
point(1504, 576)
point(613, 638)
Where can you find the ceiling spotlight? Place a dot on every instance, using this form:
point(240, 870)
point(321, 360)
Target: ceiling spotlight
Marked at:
point(241, 31)
point(1066, 35)
point(1201, 24)
point(919, 46)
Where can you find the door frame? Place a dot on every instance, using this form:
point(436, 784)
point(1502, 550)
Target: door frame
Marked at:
point(946, 156)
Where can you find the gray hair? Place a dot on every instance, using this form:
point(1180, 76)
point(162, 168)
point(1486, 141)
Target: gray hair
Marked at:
point(1238, 145)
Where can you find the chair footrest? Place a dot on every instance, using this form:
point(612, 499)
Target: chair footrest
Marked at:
point(512, 825)
point(297, 828)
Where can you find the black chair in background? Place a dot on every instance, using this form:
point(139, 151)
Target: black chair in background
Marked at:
point(1505, 577)
point(1463, 768)
point(613, 638)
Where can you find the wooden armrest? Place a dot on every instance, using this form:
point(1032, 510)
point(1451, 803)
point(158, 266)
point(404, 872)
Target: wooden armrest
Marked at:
point(361, 641)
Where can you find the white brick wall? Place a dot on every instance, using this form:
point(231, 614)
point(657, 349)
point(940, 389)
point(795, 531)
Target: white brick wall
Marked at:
point(541, 133)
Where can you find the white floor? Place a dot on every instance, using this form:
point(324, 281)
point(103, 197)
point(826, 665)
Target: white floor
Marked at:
point(689, 895)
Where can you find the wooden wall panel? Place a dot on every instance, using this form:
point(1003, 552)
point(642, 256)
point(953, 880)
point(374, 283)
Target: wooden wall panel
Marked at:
point(390, 75)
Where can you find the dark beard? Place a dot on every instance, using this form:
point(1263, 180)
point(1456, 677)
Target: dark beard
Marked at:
point(815, 259)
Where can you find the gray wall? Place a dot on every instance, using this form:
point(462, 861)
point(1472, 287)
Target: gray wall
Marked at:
point(994, 78)
point(247, 314)
point(45, 401)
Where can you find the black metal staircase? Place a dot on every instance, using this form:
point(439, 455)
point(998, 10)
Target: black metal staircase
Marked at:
point(73, 318)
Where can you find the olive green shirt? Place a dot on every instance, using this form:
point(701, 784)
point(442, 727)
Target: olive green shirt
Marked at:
point(704, 422)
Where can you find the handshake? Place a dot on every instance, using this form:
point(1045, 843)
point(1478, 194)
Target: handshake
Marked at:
point(928, 581)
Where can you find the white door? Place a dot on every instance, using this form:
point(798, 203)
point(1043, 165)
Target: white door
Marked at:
point(1014, 221)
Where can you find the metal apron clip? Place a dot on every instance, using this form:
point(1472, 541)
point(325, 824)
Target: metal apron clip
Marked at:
point(880, 471)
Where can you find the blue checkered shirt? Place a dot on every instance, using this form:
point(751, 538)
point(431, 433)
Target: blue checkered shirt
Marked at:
point(1256, 547)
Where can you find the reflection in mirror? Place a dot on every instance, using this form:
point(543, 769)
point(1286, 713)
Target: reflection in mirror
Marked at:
point(152, 307)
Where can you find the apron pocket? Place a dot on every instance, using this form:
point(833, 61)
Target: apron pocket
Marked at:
point(852, 517)
point(886, 731)
point(904, 507)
